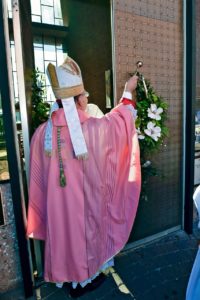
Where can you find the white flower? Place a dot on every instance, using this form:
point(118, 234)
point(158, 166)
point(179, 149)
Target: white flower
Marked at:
point(154, 112)
point(140, 135)
point(153, 131)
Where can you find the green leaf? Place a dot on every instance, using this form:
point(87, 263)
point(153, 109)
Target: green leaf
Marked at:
point(40, 109)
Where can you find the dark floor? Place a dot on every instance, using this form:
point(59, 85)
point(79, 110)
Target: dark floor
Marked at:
point(157, 271)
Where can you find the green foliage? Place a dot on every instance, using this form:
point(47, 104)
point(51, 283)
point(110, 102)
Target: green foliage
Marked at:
point(150, 124)
point(40, 108)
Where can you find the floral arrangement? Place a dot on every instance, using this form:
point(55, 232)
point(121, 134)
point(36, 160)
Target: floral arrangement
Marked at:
point(150, 125)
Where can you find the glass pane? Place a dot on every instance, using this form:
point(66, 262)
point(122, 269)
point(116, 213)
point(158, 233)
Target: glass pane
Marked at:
point(46, 77)
point(47, 2)
point(39, 59)
point(35, 7)
point(36, 19)
point(50, 95)
point(47, 14)
point(18, 117)
point(61, 57)
point(9, 3)
point(13, 57)
point(57, 7)
point(59, 22)
point(13, 61)
point(4, 173)
point(15, 85)
point(49, 49)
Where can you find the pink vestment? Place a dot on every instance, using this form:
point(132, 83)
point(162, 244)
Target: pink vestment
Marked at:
point(88, 221)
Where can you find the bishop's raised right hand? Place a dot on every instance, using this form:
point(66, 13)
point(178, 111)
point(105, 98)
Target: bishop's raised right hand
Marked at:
point(131, 84)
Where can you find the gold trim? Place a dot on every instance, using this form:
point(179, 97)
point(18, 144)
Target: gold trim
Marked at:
point(61, 93)
point(53, 77)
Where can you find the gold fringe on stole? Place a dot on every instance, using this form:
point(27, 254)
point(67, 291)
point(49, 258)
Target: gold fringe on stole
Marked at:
point(47, 153)
point(82, 156)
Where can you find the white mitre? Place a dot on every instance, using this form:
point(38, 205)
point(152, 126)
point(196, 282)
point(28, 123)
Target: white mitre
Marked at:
point(66, 82)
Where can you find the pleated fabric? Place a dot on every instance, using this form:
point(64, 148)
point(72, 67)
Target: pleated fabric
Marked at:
point(88, 221)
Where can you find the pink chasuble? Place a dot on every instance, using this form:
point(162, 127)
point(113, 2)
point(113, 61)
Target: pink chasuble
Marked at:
point(88, 221)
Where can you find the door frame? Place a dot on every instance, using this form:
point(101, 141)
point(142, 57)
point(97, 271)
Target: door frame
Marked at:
point(6, 87)
point(189, 87)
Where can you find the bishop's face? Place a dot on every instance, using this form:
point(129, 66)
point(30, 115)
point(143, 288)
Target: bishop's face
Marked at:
point(83, 101)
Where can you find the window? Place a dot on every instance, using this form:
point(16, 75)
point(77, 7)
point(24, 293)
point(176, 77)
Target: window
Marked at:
point(43, 11)
point(46, 48)
point(47, 11)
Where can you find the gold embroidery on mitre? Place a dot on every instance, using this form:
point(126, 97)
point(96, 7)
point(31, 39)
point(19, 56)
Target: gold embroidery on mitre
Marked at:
point(67, 92)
